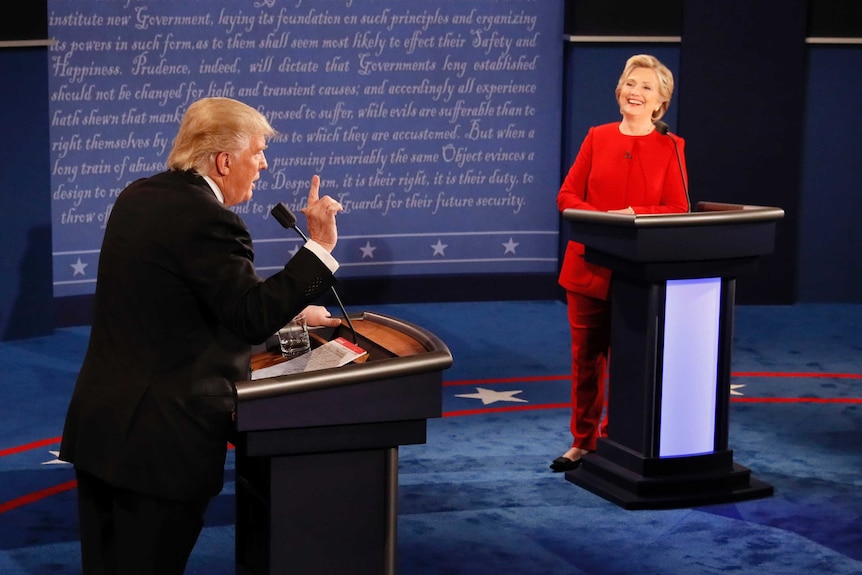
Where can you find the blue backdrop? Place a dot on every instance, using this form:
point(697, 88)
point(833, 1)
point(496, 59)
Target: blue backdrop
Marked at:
point(437, 125)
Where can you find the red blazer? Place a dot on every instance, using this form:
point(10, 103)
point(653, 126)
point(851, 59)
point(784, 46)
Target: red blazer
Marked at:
point(177, 307)
point(615, 171)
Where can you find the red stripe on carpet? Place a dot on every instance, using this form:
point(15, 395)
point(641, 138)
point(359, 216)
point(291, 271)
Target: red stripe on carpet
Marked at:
point(796, 399)
point(37, 495)
point(796, 374)
point(735, 374)
point(507, 380)
point(510, 408)
point(29, 446)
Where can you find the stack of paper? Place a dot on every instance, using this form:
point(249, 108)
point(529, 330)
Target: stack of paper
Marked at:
point(333, 353)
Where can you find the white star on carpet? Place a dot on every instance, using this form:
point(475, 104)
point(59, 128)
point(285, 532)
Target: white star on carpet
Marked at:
point(368, 250)
point(490, 396)
point(439, 248)
point(510, 246)
point(79, 268)
point(734, 387)
point(55, 461)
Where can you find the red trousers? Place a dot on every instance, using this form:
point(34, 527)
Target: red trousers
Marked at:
point(589, 321)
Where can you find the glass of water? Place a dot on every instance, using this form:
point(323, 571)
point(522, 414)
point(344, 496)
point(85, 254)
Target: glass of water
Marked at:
point(293, 337)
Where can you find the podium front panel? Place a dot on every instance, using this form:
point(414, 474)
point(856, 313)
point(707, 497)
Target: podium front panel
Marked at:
point(689, 367)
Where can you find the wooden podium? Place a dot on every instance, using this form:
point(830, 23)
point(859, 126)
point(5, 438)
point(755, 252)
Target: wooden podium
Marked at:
point(672, 303)
point(317, 452)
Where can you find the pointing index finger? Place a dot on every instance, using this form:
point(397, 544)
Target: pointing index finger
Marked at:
point(313, 192)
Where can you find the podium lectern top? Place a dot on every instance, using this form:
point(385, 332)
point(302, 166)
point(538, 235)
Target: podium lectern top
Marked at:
point(713, 231)
point(399, 380)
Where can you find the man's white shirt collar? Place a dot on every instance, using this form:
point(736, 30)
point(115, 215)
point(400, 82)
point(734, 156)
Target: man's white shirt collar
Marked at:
point(216, 190)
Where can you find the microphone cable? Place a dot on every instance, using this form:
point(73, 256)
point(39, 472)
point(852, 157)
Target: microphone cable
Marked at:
point(664, 130)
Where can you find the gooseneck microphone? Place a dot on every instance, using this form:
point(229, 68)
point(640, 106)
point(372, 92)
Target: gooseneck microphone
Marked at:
point(287, 219)
point(664, 130)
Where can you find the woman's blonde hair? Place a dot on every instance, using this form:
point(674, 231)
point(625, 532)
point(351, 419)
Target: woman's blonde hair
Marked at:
point(214, 125)
point(665, 80)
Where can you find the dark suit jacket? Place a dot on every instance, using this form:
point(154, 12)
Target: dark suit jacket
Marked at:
point(177, 307)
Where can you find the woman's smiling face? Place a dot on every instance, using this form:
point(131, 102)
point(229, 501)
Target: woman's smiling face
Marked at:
point(639, 94)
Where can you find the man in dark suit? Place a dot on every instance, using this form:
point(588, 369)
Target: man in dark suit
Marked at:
point(178, 306)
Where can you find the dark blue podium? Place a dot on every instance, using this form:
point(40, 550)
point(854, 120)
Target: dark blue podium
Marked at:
point(672, 304)
point(317, 452)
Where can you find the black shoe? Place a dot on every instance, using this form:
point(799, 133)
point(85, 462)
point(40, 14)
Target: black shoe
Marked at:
point(564, 464)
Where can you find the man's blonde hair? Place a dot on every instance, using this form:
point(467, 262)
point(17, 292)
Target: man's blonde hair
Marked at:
point(214, 125)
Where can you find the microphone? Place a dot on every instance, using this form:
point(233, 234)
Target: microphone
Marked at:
point(664, 130)
point(287, 219)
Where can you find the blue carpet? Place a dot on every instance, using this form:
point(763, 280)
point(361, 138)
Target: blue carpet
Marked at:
point(478, 497)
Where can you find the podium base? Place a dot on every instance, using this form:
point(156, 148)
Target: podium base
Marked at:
point(634, 482)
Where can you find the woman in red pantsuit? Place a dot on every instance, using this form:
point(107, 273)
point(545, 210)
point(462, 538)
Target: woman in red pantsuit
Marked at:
point(625, 167)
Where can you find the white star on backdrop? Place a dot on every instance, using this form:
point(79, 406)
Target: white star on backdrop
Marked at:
point(439, 248)
point(368, 250)
point(79, 266)
point(510, 246)
point(734, 387)
point(294, 250)
point(490, 396)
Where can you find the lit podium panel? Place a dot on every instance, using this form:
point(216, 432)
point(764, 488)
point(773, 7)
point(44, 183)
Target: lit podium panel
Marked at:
point(317, 451)
point(672, 303)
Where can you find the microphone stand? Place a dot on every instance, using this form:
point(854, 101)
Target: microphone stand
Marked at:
point(664, 130)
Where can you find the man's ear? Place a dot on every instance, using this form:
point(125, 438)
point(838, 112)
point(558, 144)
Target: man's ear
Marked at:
point(222, 163)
